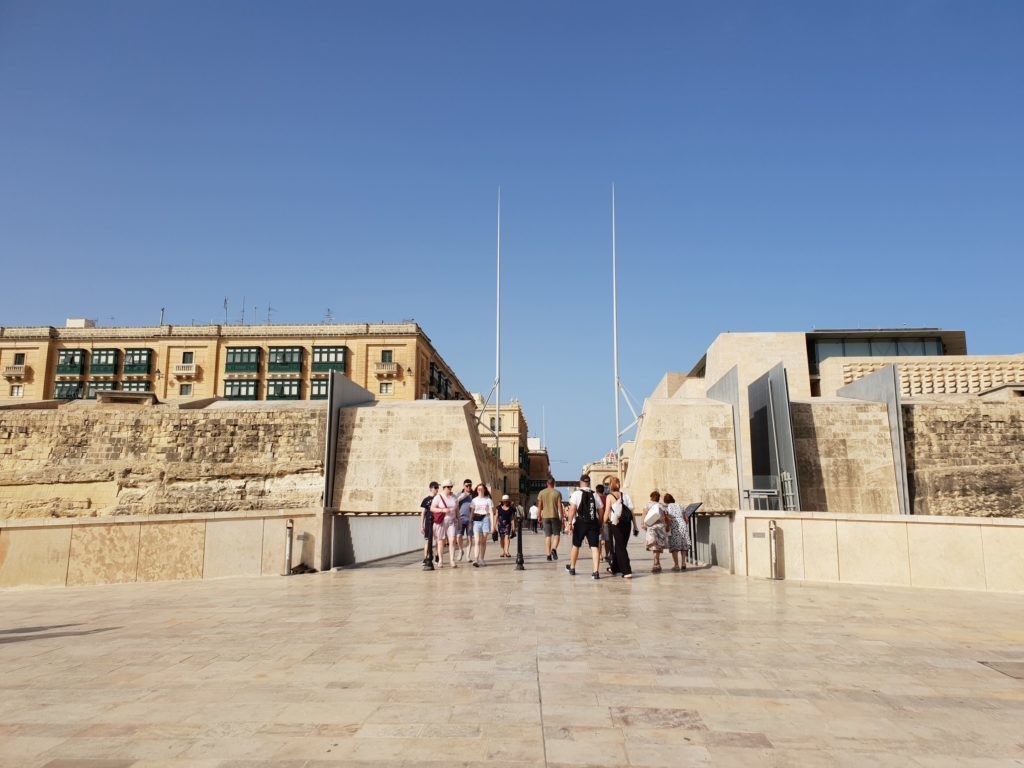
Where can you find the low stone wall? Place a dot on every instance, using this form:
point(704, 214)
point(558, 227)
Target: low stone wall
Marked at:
point(892, 550)
point(966, 457)
point(78, 552)
point(88, 460)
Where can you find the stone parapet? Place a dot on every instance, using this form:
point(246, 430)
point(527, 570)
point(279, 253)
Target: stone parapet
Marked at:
point(79, 552)
point(891, 550)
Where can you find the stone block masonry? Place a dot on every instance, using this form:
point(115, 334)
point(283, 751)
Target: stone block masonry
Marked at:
point(844, 457)
point(966, 458)
point(85, 461)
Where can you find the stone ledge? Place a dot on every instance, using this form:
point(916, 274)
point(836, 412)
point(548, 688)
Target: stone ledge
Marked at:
point(52, 522)
point(1012, 522)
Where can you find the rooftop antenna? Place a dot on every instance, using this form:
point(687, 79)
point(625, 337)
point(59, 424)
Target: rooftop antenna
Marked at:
point(161, 315)
point(543, 427)
point(270, 311)
point(620, 390)
point(243, 310)
point(328, 316)
point(225, 310)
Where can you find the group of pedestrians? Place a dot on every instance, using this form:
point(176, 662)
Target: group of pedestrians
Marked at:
point(666, 526)
point(602, 516)
point(464, 522)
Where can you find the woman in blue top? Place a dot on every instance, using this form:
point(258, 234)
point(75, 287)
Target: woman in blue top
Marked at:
point(506, 524)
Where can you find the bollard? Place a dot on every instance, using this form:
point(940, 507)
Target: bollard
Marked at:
point(773, 548)
point(289, 529)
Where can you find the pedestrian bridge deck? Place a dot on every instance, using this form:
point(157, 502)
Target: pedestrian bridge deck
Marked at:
point(388, 665)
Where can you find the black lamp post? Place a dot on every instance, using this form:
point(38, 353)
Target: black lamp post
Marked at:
point(519, 542)
point(428, 521)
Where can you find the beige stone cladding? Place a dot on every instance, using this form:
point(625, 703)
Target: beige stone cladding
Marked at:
point(844, 457)
point(685, 447)
point(389, 452)
point(889, 550)
point(84, 459)
point(755, 353)
point(928, 376)
point(966, 457)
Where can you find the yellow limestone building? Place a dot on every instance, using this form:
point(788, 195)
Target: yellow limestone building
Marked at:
point(394, 361)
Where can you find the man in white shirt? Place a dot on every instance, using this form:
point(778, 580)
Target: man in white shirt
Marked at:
point(534, 513)
point(585, 512)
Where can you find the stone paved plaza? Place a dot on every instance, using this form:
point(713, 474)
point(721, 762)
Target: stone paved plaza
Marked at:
point(387, 665)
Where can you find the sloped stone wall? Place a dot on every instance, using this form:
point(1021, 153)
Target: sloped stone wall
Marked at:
point(90, 461)
point(966, 458)
point(685, 447)
point(389, 452)
point(844, 457)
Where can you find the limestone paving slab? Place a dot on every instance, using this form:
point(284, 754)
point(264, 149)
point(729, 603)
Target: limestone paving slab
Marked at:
point(389, 665)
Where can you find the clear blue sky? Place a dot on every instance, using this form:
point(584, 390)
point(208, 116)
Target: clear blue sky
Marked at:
point(779, 166)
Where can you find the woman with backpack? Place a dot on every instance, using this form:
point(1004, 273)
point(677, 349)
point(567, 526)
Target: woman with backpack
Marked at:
point(620, 520)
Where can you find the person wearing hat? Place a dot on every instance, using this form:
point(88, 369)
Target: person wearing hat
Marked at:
point(445, 511)
point(506, 523)
point(425, 505)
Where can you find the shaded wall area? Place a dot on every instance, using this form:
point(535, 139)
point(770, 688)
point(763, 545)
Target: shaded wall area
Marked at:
point(87, 460)
point(966, 458)
point(844, 457)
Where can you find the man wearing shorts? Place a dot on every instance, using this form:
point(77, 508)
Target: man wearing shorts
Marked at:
point(465, 531)
point(549, 502)
point(585, 522)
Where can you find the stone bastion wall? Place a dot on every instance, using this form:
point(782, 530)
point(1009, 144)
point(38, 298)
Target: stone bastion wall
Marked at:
point(965, 457)
point(85, 460)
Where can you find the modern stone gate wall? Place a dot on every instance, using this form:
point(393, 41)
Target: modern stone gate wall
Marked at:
point(966, 458)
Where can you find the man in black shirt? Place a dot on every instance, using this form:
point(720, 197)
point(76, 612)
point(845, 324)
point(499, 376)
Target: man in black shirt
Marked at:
point(426, 520)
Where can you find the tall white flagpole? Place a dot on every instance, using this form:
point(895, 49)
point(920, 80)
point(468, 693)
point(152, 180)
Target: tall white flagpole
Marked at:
point(615, 338)
point(497, 355)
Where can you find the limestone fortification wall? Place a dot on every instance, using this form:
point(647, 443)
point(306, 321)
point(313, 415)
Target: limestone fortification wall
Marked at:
point(389, 452)
point(685, 447)
point(844, 457)
point(90, 460)
point(966, 458)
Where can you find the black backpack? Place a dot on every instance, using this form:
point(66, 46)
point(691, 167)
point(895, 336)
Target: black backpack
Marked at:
point(587, 510)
